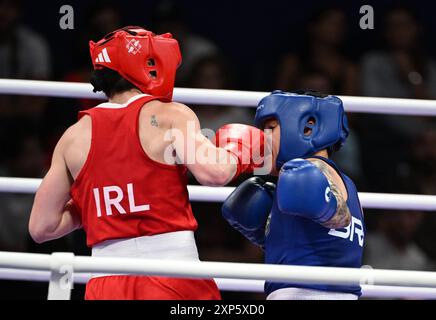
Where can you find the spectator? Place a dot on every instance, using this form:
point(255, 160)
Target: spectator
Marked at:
point(213, 72)
point(423, 160)
point(422, 164)
point(168, 16)
point(26, 159)
point(403, 68)
point(315, 80)
point(392, 245)
point(323, 51)
point(23, 55)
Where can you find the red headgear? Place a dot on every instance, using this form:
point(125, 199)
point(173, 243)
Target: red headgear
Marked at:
point(147, 60)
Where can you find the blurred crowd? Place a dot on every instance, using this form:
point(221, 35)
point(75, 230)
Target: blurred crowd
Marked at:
point(384, 153)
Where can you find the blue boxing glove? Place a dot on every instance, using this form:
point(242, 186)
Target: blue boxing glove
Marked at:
point(303, 190)
point(248, 207)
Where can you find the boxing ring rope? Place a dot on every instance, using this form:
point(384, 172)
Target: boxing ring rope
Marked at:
point(240, 285)
point(217, 97)
point(60, 269)
point(219, 194)
point(229, 276)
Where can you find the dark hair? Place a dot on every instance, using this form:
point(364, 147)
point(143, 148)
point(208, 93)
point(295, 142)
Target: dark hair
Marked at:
point(309, 92)
point(110, 82)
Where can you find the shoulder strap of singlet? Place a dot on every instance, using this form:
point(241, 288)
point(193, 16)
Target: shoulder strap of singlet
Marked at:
point(139, 101)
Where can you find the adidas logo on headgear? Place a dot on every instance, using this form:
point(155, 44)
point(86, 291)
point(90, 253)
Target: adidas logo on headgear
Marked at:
point(103, 56)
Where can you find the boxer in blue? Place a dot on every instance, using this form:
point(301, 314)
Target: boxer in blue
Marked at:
point(313, 216)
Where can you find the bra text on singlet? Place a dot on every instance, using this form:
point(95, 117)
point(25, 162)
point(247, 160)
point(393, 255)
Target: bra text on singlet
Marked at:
point(355, 227)
point(113, 195)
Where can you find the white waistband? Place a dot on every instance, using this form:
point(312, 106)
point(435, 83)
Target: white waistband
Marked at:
point(179, 245)
point(308, 294)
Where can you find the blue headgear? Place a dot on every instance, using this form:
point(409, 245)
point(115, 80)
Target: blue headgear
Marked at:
point(295, 113)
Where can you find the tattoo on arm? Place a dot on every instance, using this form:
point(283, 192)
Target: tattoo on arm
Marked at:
point(153, 121)
point(342, 217)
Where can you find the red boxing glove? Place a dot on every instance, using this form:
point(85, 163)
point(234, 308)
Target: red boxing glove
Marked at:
point(245, 142)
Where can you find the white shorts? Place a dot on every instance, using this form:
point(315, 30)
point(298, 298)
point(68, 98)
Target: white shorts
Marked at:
point(308, 294)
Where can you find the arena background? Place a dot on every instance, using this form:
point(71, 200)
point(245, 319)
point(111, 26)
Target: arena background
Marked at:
point(246, 45)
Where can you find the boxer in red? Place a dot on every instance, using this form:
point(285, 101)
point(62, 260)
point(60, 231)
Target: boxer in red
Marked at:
point(120, 171)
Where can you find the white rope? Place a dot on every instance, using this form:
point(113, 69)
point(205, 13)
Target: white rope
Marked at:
point(49, 89)
point(237, 285)
point(19, 185)
point(219, 194)
point(190, 269)
point(217, 97)
point(397, 201)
